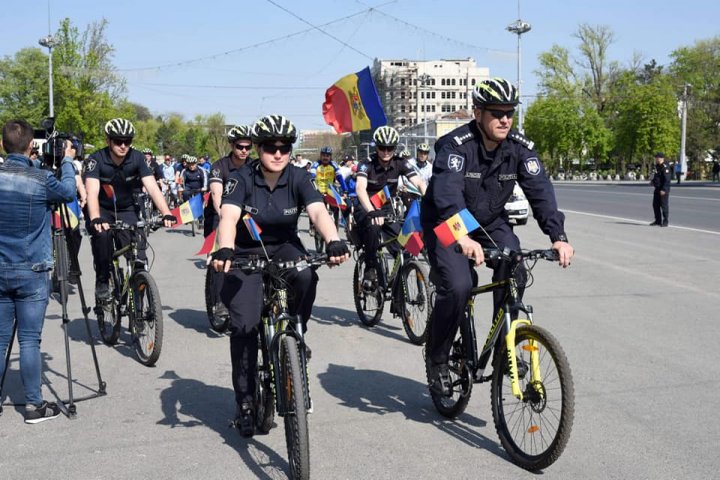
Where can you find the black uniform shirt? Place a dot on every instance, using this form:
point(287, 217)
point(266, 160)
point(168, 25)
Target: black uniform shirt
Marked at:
point(125, 178)
point(662, 178)
point(276, 212)
point(379, 176)
point(221, 170)
point(194, 180)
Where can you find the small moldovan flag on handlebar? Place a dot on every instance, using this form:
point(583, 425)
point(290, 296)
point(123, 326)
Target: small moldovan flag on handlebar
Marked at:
point(189, 211)
point(252, 227)
point(210, 244)
point(334, 198)
point(381, 197)
point(110, 192)
point(455, 227)
point(412, 219)
point(412, 242)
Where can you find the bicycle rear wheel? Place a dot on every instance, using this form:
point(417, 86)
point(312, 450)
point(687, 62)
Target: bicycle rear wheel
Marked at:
point(219, 323)
point(369, 304)
point(265, 400)
point(147, 324)
point(416, 306)
point(460, 376)
point(108, 315)
point(535, 430)
point(296, 421)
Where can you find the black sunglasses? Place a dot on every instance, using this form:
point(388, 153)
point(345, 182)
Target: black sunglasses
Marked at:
point(499, 114)
point(122, 141)
point(272, 149)
point(243, 147)
point(385, 148)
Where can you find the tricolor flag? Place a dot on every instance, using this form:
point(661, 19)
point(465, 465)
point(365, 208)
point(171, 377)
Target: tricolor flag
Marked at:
point(73, 209)
point(352, 104)
point(334, 198)
point(252, 227)
point(189, 211)
point(412, 219)
point(209, 245)
point(110, 192)
point(455, 227)
point(412, 242)
point(381, 197)
point(206, 199)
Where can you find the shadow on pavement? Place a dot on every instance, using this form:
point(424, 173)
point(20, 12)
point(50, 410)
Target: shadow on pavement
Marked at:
point(382, 393)
point(346, 318)
point(194, 320)
point(209, 406)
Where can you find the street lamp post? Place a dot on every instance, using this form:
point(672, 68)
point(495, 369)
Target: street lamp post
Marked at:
point(518, 28)
point(50, 42)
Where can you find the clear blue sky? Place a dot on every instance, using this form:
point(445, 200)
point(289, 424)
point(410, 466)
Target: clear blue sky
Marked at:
point(156, 41)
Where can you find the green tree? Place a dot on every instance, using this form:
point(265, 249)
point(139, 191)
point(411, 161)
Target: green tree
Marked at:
point(24, 86)
point(554, 124)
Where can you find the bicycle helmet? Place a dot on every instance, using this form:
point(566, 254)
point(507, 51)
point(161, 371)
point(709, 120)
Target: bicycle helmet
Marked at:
point(273, 127)
point(326, 151)
point(119, 128)
point(405, 155)
point(191, 160)
point(239, 132)
point(184, 157)
point(495, 91)
point(423, 147)
point(386, 136)
point(147, 151)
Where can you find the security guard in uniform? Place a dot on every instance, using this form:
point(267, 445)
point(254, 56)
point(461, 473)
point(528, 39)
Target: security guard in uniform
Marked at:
point(661, 195)
point(383, 169)
point(476, 167)
point(273, 193)
point(119, 170)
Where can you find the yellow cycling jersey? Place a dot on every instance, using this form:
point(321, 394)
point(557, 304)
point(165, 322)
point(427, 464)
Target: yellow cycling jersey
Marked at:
point(324, 176)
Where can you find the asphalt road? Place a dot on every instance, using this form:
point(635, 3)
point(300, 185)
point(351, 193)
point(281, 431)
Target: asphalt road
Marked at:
point(635, 314)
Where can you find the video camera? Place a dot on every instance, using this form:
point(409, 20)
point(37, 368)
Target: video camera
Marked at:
point(53, 150)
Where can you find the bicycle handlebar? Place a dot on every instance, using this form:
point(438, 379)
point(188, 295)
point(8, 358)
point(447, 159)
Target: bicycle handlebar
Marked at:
point(495, 253)
point(120, 225)
point(256, 263)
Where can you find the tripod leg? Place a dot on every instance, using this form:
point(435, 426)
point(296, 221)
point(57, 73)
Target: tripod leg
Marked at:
point(7, 363)
point(62, 266)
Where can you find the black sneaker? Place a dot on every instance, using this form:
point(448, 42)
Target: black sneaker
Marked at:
point(46, 411)
point(440, 382)
point(220, 310)
point(102, 291)
point(245, 420)
point(655, 224)
point(665, 224)
point(370, 279)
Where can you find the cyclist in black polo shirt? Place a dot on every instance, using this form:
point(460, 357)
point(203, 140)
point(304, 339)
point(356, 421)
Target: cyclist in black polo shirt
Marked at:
point(111, 176)
point(274, 193)
point(382, 170)
point(193, 179)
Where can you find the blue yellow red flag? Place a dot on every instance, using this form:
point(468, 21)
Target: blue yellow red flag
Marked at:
point(252, 227)
point(455, 227)
point(381, 197)
point(352, 103)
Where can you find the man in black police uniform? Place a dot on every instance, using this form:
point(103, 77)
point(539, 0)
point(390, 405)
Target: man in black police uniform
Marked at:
point(476, 167)
point(112, 174)
point(193, 179)
point(661, 195)
point(382, 170)
point(273, 193)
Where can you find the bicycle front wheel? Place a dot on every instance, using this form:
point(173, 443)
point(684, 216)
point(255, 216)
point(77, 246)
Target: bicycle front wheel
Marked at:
point(369, 303)
point(147, 324)
point(296, 421)
point(416, 302)
point(534, 430)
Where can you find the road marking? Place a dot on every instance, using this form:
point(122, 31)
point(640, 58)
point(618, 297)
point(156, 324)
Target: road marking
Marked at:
point(640, 222)
point(640, 194)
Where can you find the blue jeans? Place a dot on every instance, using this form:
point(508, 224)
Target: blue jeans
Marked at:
point(24, 298)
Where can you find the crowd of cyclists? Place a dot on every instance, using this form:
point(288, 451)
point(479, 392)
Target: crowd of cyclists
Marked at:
point(475, 168)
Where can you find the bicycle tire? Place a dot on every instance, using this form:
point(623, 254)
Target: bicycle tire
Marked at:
point(460, 375)
point(265, 399)
point(368, 304)
point(147, 324)
point(108, 316)
point(296, 420)
point(218, 323)
point(544, 426)
point(416, 308)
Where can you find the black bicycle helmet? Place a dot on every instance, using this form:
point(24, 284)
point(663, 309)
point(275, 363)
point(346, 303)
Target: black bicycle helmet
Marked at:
point(119, 128)
point(495, 91)
point(326, 150)
point(386, 136)
point(239, 132)
point(274, 127)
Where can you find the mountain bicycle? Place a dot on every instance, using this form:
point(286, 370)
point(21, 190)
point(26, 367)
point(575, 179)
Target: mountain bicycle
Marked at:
point(282, 382)
point(406, 285)
point(531, 385)
point(133, 293)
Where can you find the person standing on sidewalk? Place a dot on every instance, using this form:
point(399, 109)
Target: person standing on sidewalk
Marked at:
point(661, 195)
point(716, 171)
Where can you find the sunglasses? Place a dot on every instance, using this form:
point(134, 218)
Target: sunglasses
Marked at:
point(243, 147)
point(272, 149)
point(499, 114)
point(385, 149)
point(122, 141)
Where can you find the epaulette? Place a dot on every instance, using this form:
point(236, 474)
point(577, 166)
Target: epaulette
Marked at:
point(521, 139)
point(460, 139)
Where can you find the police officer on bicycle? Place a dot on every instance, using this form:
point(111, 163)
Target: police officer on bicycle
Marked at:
point(273, 193)
point(476, 167)
point(383, 170)
point(112, 174)
point(193, 180)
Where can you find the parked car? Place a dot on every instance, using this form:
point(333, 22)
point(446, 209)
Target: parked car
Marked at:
point(518, 207)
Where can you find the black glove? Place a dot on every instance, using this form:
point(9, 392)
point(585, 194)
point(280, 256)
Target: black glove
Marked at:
point(376, 214)
point(170, 218)
point(337, 248)
point(98, 221)
point(224, 254)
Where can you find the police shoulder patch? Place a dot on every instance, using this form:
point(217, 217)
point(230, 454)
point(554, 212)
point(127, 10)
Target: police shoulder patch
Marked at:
point(455, 162)
point(230, 187)
point(90, 166)
point(521, 139)
point(363, 167)
point(532, 165)
point(215, 173)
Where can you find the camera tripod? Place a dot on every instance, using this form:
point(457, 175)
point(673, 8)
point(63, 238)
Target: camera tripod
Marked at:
point(66, 266)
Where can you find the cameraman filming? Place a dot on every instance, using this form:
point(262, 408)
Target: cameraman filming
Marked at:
point(26, 258)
